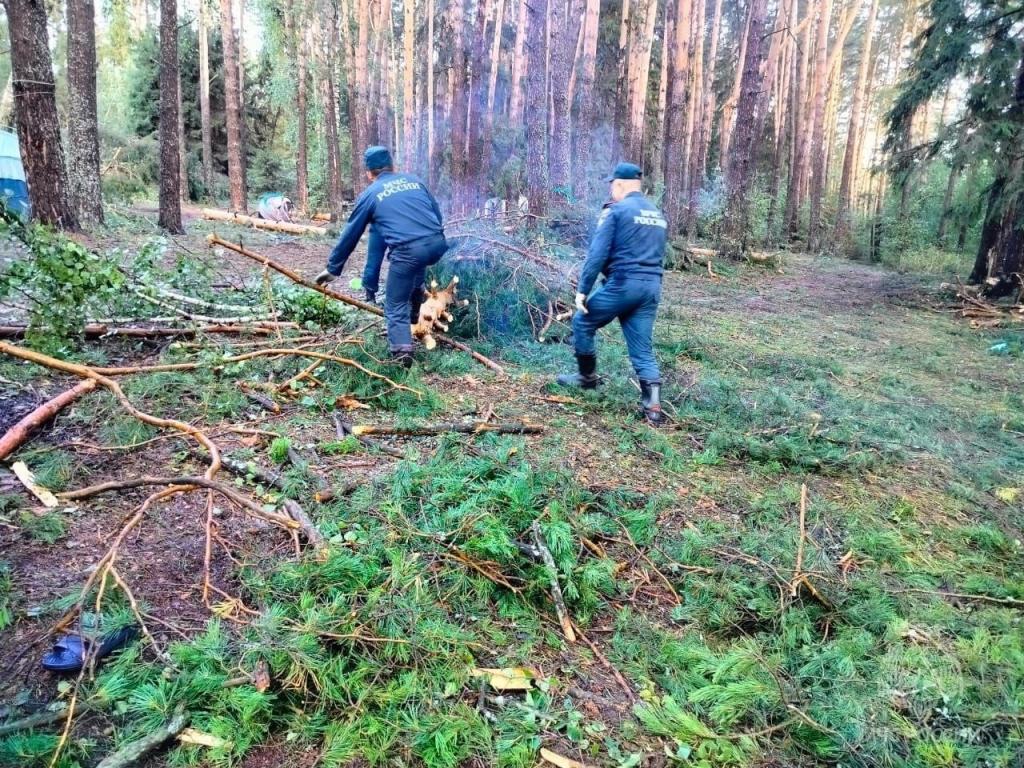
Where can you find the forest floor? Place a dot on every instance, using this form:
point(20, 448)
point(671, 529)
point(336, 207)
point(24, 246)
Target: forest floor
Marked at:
point(721, 626)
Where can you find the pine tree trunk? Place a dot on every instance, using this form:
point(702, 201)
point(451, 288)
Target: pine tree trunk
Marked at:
point(495, 63)
point(83, 129)
point(563, 41)
point(947, 202)
point(182, 147)
point(536, 108)
point(295, 23)
point(741, 168)
point(170, 164)
point(232, 110)
point(362, 107)
point(693, 116)
point(431, 101)
point(854, 135)
point(408, 78)
point(243, 123)
point(585, 89)
point(732, 101)
point(677, 102)
point(519, 66)
point(656, 172)
point(819, 97)
point(639, 73)
point(708, 108)
point(459, 106)
point(621, 118)
point(801, 130)
point(477, 106)
point(205, 118)
point(35, 112)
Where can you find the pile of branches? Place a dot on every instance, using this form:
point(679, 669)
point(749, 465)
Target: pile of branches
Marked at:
point(985, 313)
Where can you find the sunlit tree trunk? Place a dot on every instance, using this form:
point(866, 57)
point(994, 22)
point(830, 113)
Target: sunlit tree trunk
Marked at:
point(585, 91)
point(35, 112)
point(459, 105)
point(801, 131)
point(657, 171)
point(729, 107)
point(696, 101)
point(408, 78)
point(640, 45)
point(205, 117)
point(170, 164)
point(741, 166)
point(83, 128)
point(855, 134)
point(361, 124)
point(677, 103)
point(519, 65)
point(708, 108)
point(232, 109)
point(536, 108)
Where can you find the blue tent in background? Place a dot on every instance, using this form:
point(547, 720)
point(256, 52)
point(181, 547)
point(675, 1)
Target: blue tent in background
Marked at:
point(13, 189)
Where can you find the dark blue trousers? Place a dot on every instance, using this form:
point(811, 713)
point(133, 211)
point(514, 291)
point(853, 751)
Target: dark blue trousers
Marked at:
point(375, 251)
point(404, 289)
point(634, 302)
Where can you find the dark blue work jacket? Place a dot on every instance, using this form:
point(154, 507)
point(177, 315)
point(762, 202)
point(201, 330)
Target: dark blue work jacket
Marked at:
point(401, 209)
point(629, 242)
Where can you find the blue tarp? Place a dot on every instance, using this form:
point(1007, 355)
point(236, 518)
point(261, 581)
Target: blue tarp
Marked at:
point(13, 189)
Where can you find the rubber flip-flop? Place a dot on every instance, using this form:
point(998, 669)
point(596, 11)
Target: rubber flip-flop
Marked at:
point(69, 651)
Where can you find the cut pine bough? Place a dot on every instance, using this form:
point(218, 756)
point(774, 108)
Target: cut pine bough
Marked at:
point(326, 291)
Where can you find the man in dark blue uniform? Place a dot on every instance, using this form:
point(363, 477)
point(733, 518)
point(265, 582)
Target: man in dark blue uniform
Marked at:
point(375, 252)
point(628, 247)
point(409, 222)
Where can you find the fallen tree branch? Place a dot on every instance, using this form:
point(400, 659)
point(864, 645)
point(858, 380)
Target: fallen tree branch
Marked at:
point(253, 221)
point(184, 482)
point(476, 427)
point(556, 589)
point(85, 372)
point(343, 430)
point(102, 330)
point(134, 751)
point(32, 721)
point(373, 310)
point(20, 432)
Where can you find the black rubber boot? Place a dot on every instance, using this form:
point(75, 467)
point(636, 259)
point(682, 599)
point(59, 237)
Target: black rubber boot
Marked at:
point(402, 357)
point(371, 297)
point(650, 401)
point(587, 377)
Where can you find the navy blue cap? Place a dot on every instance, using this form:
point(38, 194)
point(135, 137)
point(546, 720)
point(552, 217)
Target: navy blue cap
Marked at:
point(377, 158)
point(627, 171)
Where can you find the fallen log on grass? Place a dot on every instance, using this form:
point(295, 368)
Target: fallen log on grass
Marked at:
point(253, 221)
point(474, 428)
point(372, 309)
point(19, 433)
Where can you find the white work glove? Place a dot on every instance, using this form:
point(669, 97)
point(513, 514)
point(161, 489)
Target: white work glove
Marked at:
point(581, 302)
point(325, 277)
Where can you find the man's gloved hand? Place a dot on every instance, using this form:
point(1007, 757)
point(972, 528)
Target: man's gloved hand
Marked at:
point(581, 302)
point(325, 277)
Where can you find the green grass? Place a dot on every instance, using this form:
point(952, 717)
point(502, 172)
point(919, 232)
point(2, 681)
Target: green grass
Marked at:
point(904, 427)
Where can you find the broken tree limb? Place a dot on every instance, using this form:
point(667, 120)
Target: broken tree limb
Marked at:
point(298, 514)
point(476, 427)
point(115, 389)
point(134, 751)
point(253, 221)
point(32, 721)
point(343, 430)
point(372, 309)
point(556, 589)
point(184, 482)
point(19, 433)
point(101, 330)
